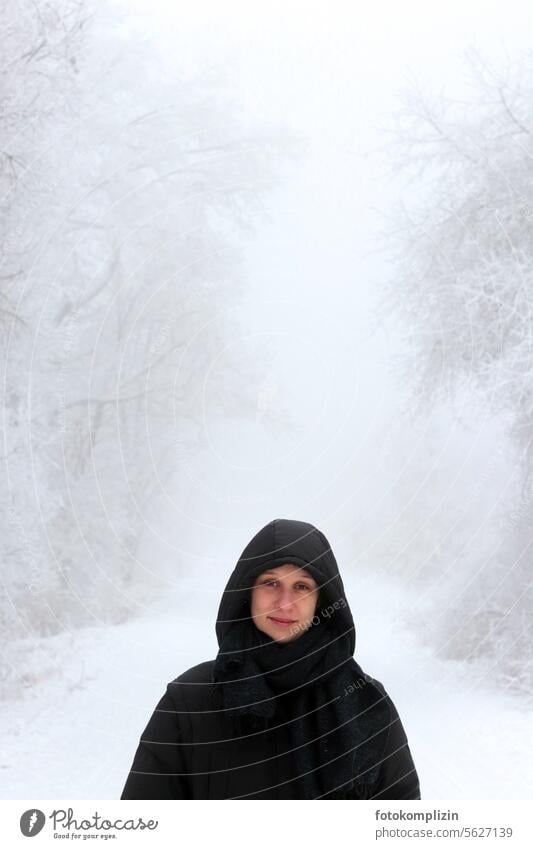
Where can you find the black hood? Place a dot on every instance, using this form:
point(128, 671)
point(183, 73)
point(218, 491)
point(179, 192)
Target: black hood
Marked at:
point(287, 541)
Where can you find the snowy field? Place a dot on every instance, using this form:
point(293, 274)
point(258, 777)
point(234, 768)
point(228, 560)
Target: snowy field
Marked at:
point(73, 735)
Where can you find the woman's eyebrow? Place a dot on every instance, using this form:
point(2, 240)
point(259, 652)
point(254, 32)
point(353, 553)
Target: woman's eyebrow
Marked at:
point(300, 577)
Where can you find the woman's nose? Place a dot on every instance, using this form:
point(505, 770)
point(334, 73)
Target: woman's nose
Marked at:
point(286, 597)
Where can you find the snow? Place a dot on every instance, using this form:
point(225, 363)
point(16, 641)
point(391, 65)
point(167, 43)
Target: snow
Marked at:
point(73, 735)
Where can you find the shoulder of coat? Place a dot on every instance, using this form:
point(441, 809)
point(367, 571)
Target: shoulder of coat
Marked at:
point(202, 673)
point(376, 694)
point(362, 679)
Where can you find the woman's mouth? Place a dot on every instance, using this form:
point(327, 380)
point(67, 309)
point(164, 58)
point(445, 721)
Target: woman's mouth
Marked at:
point(283, 622)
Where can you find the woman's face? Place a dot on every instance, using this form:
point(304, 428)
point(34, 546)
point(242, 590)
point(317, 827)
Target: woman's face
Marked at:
point(283, 602)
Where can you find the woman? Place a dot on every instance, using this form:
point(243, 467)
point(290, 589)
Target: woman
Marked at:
point(284, 711)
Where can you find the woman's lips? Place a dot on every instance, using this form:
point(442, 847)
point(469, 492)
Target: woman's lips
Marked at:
point(284, 622)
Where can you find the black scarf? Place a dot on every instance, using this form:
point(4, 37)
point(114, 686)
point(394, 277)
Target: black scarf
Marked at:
point(338, 715)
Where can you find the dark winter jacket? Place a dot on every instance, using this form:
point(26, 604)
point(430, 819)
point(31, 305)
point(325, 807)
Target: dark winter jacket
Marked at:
point(187, 754)
point(191, 749)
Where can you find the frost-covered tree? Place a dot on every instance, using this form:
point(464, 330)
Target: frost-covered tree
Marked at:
point(124, 230)
point(462, 234)
point(40, 44)
point(462, 241)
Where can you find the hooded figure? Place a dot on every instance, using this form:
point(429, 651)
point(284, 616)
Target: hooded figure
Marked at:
point(284, 711)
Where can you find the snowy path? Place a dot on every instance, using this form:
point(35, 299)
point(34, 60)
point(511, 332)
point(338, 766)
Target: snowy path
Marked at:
point(75, 736)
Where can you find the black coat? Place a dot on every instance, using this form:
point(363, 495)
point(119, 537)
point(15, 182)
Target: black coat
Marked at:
point(189, 750)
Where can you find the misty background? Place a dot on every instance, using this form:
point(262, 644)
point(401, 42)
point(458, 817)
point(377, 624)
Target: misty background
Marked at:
point(259, 263)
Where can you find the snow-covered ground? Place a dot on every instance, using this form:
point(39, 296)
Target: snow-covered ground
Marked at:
point(73, 735)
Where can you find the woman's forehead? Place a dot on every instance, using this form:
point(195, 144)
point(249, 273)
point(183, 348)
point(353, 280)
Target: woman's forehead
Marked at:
point(289, 568)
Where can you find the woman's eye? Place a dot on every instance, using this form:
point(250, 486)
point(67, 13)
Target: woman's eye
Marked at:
point(270, 582)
